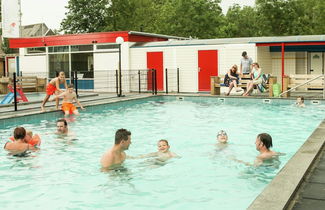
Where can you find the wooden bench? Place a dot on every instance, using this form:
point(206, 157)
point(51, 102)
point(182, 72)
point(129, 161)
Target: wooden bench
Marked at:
point(32, 83)
point(217, 83)
point(294, 80)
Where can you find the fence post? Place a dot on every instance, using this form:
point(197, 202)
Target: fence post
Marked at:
point(177, 80)
point(155, 82)
point(152, 81)
point(76, 83)
point(116, 82)
point(15, 91)
point(139, 74)
point(166, 79)
point(72, 78)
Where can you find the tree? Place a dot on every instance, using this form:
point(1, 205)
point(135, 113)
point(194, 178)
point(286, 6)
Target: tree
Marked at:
point(240, 22)
point(84, 16)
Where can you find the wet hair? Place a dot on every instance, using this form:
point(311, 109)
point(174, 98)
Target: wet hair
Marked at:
point(164, 140)
point(302, 98)
point(19, 133)
point(266, 139)
point(244, 54)
point(62, 120)
point(70, 86)
point(121, 134)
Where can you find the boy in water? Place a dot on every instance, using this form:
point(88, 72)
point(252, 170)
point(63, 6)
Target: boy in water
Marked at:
point(300, 101)
point(163, 153)
point(53, 87)
point(68, 97)
point(222, 139)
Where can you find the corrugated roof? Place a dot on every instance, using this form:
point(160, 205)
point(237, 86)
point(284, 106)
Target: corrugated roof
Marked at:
point(243, 40)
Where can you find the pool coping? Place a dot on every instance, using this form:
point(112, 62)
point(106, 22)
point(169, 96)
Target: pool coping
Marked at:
point(281, 190)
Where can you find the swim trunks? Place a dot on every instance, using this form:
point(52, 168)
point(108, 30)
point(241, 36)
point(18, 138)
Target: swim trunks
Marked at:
point(68, 107)
point(50, 89)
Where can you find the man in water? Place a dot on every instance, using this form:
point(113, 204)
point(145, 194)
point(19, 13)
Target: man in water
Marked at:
point(62, 127)
point(263, 144)
point(115, 156)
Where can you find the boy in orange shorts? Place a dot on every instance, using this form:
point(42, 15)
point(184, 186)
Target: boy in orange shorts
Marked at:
point(68, 97)
point(53, 87)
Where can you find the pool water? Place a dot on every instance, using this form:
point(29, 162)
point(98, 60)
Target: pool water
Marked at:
point(65, 173)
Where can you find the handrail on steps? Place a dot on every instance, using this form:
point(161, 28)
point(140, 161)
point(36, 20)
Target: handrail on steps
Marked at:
point(308, 81)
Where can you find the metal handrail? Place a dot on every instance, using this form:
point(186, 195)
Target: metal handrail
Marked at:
point(308, 81)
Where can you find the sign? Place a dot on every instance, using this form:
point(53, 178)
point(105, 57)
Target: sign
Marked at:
point(10, 18)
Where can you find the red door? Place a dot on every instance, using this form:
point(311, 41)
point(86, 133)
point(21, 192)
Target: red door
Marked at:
point(208, 66)
point(155, 61)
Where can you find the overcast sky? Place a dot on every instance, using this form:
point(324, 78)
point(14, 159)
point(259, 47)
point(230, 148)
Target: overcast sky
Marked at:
point(51, 12)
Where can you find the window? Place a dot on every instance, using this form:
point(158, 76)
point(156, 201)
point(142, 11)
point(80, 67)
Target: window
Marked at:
point(77, 48)
point(107, 46)
point(83, 63)
point(57, 63)
point(59, 49)
point(35, 50)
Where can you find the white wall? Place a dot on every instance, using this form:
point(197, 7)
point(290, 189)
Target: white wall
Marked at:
point(186, 59)
point(230, 54)
point(264, 59)
point(301, 62)
point(105, 66)
point(34, 65)
point(289, 63)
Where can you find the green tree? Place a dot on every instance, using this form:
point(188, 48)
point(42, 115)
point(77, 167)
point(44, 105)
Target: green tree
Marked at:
point(84, 16)
point(240, 22)
point(195, 18)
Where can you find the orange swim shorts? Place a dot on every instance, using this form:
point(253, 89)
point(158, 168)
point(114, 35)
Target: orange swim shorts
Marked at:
point(50, 89)
point(68, 107)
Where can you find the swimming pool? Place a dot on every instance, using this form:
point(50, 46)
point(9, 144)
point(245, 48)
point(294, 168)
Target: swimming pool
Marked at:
point(65, 173)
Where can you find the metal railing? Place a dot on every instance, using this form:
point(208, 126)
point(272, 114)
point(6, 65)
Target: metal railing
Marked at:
point(308, 81)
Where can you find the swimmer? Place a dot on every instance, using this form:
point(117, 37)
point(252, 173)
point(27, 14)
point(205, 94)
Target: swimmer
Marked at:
point(263, 144)
point(62, 127)
point(19, 147)
point(68, 97)
point(300, 101)
point(53, 87)
point(115, 156)
point(222, 139)
point(163, 153)
point(30, 139)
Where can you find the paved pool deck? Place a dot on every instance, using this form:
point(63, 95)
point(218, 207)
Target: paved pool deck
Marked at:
point(299, 185)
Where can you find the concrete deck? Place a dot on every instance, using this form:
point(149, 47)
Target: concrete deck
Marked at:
point(311, 194)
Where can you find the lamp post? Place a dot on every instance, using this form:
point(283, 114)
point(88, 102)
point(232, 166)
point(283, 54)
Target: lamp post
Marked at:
point(119, 40)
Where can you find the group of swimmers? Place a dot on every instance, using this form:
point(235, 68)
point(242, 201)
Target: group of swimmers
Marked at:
point(116, 155)
point(69, 96)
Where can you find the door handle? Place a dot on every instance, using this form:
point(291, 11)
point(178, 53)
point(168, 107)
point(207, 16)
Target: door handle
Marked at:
point(199, 69)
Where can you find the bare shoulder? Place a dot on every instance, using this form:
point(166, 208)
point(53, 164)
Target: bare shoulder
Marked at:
point(107, 158)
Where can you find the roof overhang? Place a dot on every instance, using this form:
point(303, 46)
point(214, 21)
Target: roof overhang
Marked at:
point(89, 38)
point(305, 43)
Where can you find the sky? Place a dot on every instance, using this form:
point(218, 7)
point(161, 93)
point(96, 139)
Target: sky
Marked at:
point(52, 12)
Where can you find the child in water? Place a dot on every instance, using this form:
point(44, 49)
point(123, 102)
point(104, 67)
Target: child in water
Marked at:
point(163, 153)
point(300, 102)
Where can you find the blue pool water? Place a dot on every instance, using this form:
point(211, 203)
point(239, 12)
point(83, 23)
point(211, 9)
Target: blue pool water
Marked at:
point(65, 173)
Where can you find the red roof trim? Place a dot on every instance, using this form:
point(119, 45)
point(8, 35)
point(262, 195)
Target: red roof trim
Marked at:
point(290, 44)
point(79, 39)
